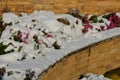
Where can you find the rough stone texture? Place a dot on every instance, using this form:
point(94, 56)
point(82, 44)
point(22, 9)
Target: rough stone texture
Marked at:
point(97, 58)
point(60, 6)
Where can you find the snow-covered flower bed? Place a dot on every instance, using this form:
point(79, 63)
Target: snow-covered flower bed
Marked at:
point(31, 43)
point(91, 76)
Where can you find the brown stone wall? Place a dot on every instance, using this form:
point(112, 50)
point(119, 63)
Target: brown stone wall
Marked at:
point(60, 6)
point(97, 58)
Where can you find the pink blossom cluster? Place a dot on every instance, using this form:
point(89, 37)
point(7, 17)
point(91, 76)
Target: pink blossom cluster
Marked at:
point(112, 18)
point(114, 21)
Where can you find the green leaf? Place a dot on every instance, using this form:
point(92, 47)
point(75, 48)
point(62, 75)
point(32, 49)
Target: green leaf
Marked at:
point(24, 57)
point(3, 47)
point(15, 37)
point(101, 21)
point(20, 48)
point(107, 16)
point(36, 46)
point(12, 50)
point(94, 19)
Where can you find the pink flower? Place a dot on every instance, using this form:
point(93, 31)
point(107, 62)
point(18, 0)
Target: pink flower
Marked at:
point(49, 35)
point(112, 25)
point(114, 21)
point(27, 35)
point(87, 26)
point(85, 30)
point(102, 28)
point(11, 30)
point(19, 34)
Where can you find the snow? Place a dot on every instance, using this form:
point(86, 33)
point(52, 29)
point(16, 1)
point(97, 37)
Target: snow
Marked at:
point(91, 76)
point(32, 38)
point(10, 18)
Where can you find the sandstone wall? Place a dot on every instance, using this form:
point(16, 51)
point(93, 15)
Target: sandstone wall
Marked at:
point(97, 58)
point(60, 6)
